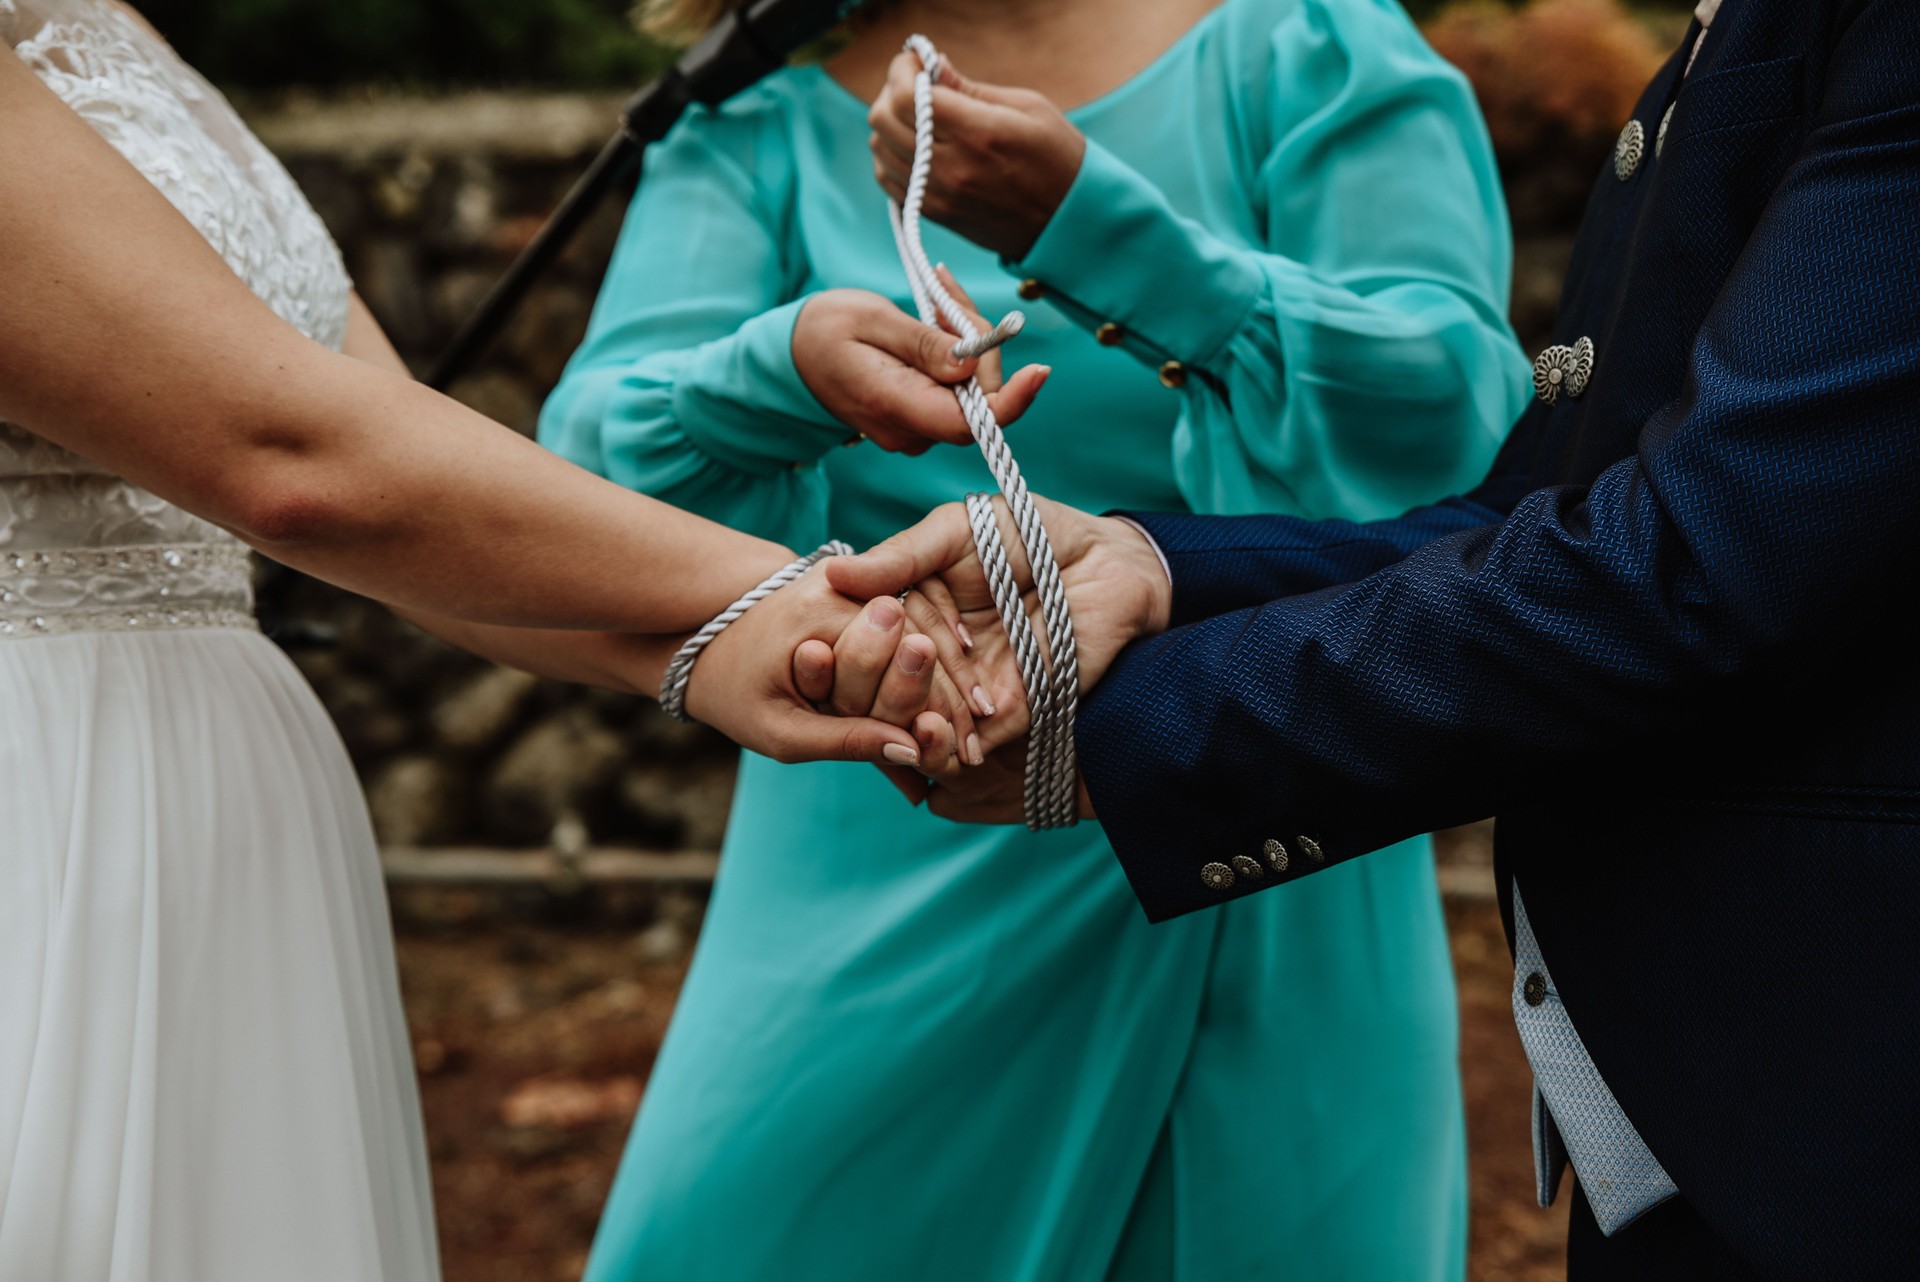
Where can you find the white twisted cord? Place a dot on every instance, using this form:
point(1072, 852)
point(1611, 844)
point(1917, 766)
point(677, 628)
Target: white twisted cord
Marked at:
point(673, 686)
point(1053, 695)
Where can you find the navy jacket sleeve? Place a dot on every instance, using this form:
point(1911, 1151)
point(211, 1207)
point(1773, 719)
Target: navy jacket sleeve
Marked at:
point(1775, 501)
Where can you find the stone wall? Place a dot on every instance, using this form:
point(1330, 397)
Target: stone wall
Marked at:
point(430, 199)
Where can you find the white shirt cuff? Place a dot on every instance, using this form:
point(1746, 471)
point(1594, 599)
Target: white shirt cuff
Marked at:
point(1164, 566)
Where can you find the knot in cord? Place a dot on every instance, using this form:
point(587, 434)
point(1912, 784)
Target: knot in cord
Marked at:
point(1053, 692)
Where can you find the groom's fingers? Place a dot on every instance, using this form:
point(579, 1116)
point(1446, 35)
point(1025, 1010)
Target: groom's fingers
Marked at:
point(813, 671)
point(863, 654)
point(906, 683)
point(941, 540)
point(939, 745)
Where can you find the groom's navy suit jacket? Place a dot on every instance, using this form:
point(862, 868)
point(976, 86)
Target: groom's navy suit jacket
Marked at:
point(1672, 642)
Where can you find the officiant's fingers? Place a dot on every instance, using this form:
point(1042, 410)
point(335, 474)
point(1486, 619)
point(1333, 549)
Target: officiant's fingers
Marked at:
point(1019, 394)
point(989, 373)
point(1008, 398)
point(813, 671)
point(863, 654)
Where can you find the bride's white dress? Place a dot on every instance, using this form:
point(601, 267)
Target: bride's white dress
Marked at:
point(204, 1071)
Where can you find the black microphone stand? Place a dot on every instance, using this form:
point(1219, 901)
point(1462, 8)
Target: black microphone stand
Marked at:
point(645, 120)
point(745, 46)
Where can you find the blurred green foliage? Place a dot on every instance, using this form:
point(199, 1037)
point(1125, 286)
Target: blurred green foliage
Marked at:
point(276, 43)
point(429, 43)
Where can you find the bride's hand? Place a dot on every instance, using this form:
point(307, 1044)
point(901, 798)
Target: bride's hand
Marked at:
point(906, 683)
point(888, 377)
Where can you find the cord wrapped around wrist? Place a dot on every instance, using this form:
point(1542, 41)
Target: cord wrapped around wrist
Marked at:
point(1053, 692)
point(673, 685)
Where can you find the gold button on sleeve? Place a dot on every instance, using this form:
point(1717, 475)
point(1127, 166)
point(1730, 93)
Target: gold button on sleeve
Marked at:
point(1032, 290)
point(1173, 374)
point(1109, 333)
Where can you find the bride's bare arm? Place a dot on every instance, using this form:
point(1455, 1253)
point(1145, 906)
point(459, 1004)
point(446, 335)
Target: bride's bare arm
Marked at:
point(125, 338)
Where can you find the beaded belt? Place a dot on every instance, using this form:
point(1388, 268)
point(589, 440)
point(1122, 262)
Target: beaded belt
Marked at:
point(142, 588)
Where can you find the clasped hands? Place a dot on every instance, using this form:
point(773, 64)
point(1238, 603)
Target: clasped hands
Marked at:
point(921, 679)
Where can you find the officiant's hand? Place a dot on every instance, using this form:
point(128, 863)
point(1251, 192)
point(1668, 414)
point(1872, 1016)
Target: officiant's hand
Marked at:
point(889, 378)
point(1003, 159)
point(1116, 588)
point(899, 700)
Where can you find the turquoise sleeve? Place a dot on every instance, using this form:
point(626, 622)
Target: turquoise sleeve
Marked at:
point(684, 387)
point(1358, 362)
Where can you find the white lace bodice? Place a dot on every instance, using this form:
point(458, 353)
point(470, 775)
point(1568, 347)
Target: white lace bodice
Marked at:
point(81, 549)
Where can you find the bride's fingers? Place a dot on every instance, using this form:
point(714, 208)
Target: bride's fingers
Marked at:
point(952, 653)
point(946, 700)
point(863, 654)
point(813, 671)
point(940, 596)
point(803, 735)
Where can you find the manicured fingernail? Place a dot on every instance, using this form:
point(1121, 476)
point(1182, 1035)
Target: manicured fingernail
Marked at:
point(973, 750)
point(911, 661)
point(883, 614)
point(966, 637)
point(982, 702)
point(900, 755)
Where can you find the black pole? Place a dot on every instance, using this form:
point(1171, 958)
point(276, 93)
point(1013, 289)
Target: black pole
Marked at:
point(646, 119)
point(751, 41)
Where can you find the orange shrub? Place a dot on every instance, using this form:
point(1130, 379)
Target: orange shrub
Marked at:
point(1556, 74)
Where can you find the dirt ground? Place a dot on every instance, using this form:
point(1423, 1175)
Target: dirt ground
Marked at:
point(535, 1036)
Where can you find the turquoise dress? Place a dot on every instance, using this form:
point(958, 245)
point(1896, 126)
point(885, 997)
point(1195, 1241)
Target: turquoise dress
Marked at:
point(913, 1050)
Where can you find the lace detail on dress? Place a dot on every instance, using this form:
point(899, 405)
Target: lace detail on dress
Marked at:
point(181, 133)
point(59, 513)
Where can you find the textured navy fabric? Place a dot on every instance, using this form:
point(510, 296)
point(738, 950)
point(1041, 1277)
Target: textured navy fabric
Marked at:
point(1669, 642)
